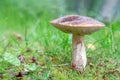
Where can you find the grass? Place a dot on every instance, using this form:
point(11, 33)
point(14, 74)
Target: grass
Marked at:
point(52, 48)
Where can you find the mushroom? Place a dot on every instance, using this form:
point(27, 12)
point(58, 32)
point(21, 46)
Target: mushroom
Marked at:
point(78, 26)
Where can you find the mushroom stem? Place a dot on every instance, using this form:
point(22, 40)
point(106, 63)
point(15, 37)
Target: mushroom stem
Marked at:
point(79, 53)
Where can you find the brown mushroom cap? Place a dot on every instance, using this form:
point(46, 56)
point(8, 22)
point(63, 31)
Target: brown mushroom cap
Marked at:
point(77, 24)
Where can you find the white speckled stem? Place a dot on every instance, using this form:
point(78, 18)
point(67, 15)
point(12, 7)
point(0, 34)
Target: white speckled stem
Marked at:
point(79, 53)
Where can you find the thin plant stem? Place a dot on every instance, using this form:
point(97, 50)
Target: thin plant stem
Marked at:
point(26, 38)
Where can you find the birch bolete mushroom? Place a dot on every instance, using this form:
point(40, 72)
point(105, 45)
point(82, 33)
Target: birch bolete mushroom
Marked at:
point(78, 26)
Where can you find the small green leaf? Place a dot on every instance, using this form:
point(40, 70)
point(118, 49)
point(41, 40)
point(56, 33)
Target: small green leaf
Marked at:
point(46, 75)
point(11, 59)
point(31, 67)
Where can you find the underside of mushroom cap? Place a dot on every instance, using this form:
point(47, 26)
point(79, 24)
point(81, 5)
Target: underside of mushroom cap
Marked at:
point(77, 24)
